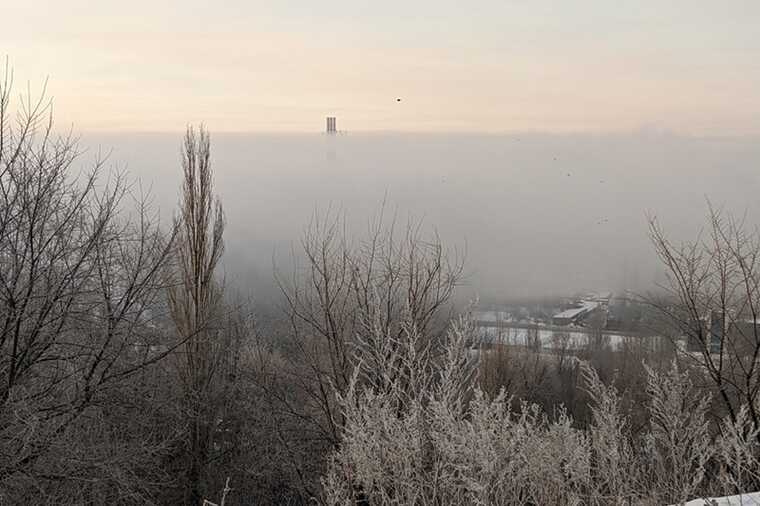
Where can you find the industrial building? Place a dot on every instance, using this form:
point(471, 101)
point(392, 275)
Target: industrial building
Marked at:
point(575, 314)
point(720, 327)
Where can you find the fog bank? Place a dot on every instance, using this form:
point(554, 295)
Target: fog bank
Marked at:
point(538, 214)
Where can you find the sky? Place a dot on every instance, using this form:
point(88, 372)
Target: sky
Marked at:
point(691, 67)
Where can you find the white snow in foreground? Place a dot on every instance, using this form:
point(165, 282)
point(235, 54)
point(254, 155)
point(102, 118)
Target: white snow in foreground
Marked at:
point(752, 499)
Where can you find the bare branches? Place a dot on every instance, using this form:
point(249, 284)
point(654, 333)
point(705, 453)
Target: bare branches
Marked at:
point(80, 288)
point(195, 296)
point(712, 300)
point(363, 303)
point(197, 306)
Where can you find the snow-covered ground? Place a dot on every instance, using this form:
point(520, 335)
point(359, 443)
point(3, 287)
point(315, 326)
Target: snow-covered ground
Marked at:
point(752, 499)
point(569, 339)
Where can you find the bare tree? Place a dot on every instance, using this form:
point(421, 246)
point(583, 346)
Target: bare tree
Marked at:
point(346, 295)
point(196, 303)
point(80, 309)
point(711, 302)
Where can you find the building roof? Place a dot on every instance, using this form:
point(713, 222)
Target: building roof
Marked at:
point(586, 306)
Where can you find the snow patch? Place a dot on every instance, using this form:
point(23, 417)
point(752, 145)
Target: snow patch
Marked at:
point(752, 499)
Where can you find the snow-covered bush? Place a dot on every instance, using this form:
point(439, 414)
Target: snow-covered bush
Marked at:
point(419, 431)
point(678, 444)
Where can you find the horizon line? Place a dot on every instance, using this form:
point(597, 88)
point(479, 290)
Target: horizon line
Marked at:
point(638, 132)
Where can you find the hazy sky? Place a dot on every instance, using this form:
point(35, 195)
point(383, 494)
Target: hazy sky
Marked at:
point(489, 65)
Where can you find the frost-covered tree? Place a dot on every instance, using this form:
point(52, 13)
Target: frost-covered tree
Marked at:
point(387, 292)
point(421, 431)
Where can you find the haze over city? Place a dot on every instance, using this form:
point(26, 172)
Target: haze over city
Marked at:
point(535, 214)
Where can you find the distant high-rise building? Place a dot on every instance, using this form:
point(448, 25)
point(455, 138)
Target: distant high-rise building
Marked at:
point(331, 125)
